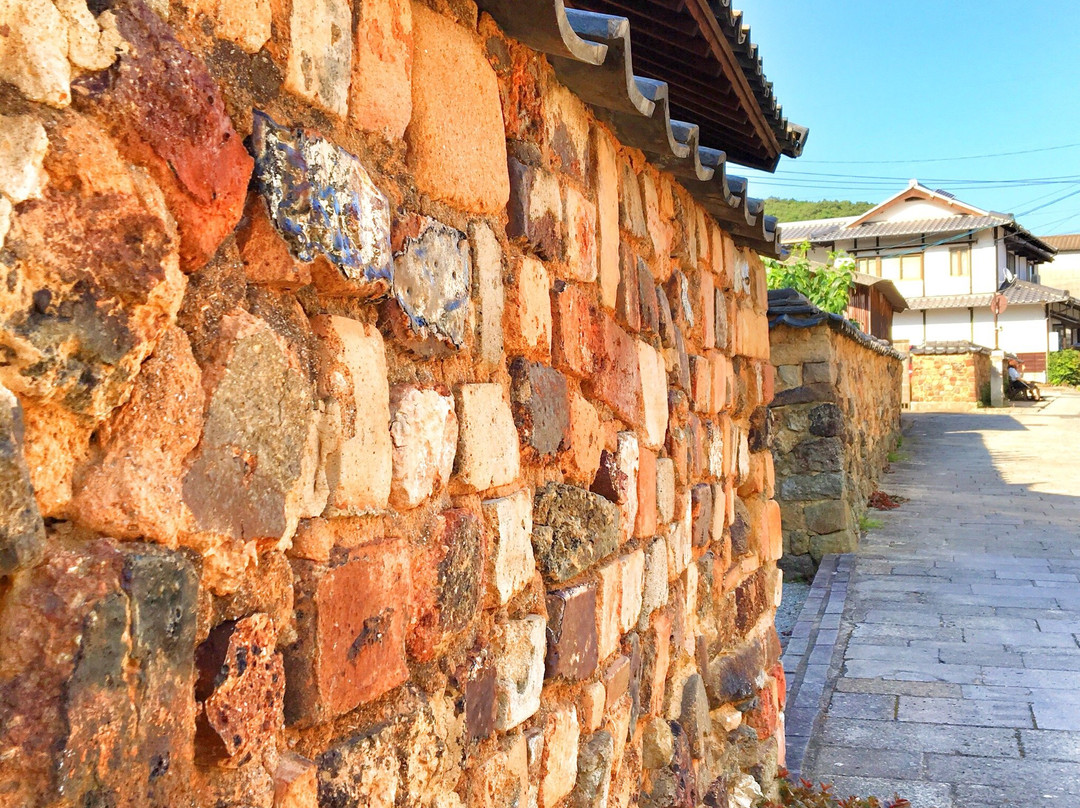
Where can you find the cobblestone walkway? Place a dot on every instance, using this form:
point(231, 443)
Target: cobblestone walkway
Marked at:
point(955, 679)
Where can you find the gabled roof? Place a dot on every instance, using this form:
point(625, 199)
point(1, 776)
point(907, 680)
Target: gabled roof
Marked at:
point(845, 229)
point(591, 54)
point(1065, 243)
point(915, 188)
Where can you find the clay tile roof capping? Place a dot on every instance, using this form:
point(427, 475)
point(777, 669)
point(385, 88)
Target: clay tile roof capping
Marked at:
point(950, 348)
point(791, 308)
point(1066, 243)
point(690, 59)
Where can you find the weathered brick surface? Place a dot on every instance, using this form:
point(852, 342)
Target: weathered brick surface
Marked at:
point(443, 411)
point(456, 145)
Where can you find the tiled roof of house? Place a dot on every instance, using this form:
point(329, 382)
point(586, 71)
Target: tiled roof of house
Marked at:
point(1018, 293)
point(840, 229)
point(1065, 243)
point(789, 307)
point(951, 347)
point(591, 54)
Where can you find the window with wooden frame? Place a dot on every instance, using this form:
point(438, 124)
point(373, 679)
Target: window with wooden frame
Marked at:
point(960, 261)
point(911, 267)
point(869, 266)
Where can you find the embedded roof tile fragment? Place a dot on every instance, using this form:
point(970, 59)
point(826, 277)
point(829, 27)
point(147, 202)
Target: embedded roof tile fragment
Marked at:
point(324, 204)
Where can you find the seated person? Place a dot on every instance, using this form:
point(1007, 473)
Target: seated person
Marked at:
point(1015, 380)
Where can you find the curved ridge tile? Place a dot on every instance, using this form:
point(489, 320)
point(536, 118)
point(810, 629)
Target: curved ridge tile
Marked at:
point(611, 84)
point(637, 108)
point(543, 26)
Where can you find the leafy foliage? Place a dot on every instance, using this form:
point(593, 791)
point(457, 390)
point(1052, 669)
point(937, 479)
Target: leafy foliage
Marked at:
point(1063, 368)
point(825, 286)
point(805, 794)
point(797, 210)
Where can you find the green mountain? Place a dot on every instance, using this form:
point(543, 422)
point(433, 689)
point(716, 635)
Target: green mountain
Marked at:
point(796, 210)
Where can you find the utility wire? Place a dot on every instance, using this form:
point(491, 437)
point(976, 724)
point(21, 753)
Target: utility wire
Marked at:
point(938, 159)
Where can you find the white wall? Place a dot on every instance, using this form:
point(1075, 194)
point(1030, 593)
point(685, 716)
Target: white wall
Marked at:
point(907, 327)
point(1062, 273)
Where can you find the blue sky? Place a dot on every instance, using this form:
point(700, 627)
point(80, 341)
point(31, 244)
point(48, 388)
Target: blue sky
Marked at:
point(890, 87)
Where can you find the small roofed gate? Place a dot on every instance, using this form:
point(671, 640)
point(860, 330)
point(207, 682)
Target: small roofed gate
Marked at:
point(871, 310)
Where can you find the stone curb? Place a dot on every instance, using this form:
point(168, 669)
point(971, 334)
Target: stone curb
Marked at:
point(809, 653)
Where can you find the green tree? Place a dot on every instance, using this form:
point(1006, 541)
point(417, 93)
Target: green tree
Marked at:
point(798, 210)
point(1064, 368)
point(826, 286)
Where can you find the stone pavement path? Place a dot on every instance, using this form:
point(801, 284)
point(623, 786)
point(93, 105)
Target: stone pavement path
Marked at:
point(956, 672)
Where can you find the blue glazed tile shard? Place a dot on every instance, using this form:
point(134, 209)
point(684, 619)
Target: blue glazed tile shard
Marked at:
point(323, 203)
point(432, 281)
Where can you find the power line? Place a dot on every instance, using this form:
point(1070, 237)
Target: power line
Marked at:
point(939, 159)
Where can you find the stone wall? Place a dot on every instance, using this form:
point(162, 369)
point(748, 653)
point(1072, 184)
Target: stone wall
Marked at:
point(958, 378)
point(380, 430)
point(835, 418)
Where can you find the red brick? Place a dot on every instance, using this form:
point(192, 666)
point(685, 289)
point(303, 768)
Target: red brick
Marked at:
point(296, 783)
point(707, 293)
point(701, 384)
point(628, 297)
point(380, 92)
point(576, 340)
point(617, 377)
point(457, 148)
point(573, 643)
point(581, 457)
point(168, 116)
point(645, 524)
point(765, 718)
point(529, 310)
point(351, 622)
point(581, 249)
point(447, 582)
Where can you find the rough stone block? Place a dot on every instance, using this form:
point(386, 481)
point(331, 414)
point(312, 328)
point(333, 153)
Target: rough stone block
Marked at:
point(655, 581)
point(320, 53)
point(575, 341)
point(617, 480)
point(457, 146)
point(22, 532)
point(581, 459)
point(520, 670)
point(702, 513)
point(826, 421)
point(530, 308)
point(241, 682)
point(581, 249)
point(95, 306)
point(827, 516)
point(632, 575)
point(593, 698)
point(628, 297)
point(581, 528)
point(488, 283)
point(595, 759)
point(447, 582)
point(645, 521)
point(488, 454)
point(617, 380)
point(657, 744)
point(510, 522)
point(432, 278)
point(701, 384)
point(607, 209)
point(665, 489)
point(828, 485)
point(248, 478)
point(35, 55)
point(363, 770)
point(424, 434)
point(323, 203)
point(536, 210)
point(352, 622)
point(352, 377)
point(654, 394)
point(23, 144)
point(694, 715)
point(246, 24)
point(631, 207)
point(572, 641)
point(608, 601)
point(560, 757)
point(168, 116)
point(566, 130)
point(541, 405)
point(380, 90)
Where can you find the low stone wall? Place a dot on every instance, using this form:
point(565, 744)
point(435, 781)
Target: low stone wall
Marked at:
point(381, 430)
point(835, 418)
point(957, 378)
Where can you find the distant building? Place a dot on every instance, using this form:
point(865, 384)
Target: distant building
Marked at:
point(1064, 271)
point(872, 304)
point(948, 258)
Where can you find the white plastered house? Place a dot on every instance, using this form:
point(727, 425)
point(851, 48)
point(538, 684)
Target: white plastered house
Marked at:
point(948, 258)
